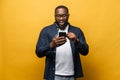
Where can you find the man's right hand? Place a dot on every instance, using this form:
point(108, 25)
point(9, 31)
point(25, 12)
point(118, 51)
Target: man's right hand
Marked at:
point(57, 41)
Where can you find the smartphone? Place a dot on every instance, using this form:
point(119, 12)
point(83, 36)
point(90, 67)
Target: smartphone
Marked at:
point(62, 34)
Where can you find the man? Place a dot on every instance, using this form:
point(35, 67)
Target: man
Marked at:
point(61, 44)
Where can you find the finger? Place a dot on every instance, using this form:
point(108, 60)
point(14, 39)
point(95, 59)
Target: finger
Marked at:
point(61, 40)
point(59, 43)
point(62, 37)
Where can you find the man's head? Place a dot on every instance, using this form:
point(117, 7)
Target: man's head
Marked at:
point(61, 16)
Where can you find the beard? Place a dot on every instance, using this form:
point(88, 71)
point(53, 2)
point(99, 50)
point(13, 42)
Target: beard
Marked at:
point(62, 27)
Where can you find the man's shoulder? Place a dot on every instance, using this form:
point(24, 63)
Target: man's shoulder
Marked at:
point(74, 27)
point(48, 27)
point(51, 25)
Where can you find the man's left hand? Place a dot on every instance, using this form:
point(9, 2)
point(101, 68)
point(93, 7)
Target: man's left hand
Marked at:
point(72, 36)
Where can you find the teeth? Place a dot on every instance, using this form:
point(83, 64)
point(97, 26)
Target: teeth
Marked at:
point(61, 21)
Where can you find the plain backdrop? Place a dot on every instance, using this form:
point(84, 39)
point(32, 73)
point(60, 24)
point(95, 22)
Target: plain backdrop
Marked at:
point(22, 20)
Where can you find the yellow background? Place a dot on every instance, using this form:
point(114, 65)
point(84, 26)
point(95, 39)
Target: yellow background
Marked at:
point(22, 20)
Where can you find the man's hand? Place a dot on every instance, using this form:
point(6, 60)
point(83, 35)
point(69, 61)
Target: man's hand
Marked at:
point(72, 36)
point(57, 41)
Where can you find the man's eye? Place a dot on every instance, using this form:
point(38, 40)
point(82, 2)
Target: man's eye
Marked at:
point(65, 15)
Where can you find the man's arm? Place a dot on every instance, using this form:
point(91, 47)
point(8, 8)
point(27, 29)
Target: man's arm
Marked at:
point(43, 45)
point(81, 43)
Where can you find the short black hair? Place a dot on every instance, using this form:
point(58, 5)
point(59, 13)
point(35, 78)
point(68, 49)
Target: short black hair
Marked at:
point(62, 6)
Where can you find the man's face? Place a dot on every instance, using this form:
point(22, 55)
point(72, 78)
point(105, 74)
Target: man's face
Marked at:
point(61, 17)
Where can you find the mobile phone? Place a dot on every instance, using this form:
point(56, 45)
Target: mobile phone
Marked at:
point(62, 34)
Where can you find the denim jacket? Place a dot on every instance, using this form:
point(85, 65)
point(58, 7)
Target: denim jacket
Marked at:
point(43, 49)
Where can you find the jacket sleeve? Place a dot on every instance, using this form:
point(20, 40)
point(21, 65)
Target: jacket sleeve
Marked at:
point(82, 46)
point(43, 45)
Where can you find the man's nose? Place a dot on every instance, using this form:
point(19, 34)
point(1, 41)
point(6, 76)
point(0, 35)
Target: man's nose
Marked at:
point(61, 18)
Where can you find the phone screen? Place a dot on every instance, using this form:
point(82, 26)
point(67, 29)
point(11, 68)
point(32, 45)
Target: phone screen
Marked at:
point(62, 34)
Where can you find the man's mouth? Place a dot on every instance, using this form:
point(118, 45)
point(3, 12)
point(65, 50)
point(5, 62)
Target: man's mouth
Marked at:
point(61, 23)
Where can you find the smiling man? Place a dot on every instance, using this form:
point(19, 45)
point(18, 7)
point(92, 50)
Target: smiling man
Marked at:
point(61, 17)
point(61, 44)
